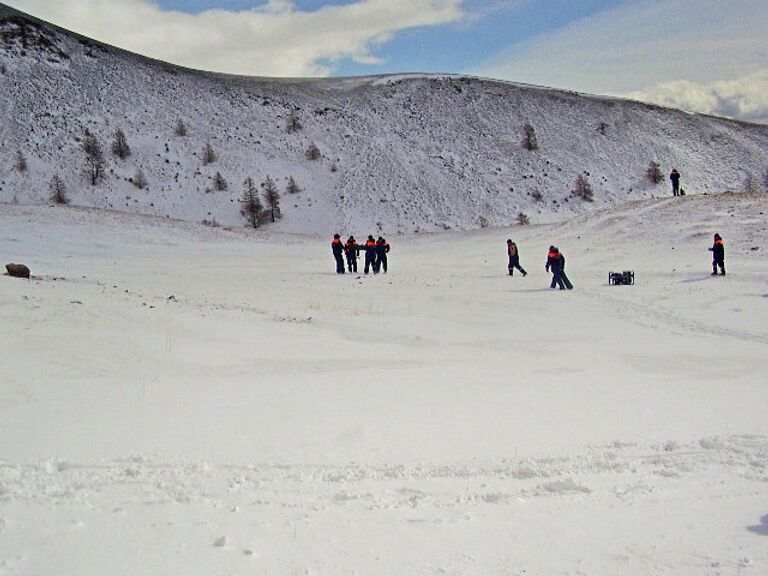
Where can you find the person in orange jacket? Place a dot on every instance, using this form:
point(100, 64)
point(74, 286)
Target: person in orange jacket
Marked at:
point(514, 258)
point(556, 263)
point(338, 249)
point(718, 255)
point(382, 249)
point(370, 254)
point(350, 251)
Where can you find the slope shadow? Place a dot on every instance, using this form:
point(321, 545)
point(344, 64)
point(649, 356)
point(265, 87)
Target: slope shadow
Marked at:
point(761, 528)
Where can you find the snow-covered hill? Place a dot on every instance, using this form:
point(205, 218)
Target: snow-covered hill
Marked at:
point(399, 153)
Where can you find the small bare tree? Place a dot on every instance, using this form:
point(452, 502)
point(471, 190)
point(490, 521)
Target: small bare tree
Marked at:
point(292, 123)
point(140, 180)
point(750, 184)
point(529, 137)
point(94, 159)
point(2, 67)
point(209, 154)
point(583, 189)
point(181, 128)
point(20, 164)
point(537, 196)
point(272, 197)
point(334, 167)
point(523, 219)
point(120, 146)
point(292, 187)
point(219, 183)
point(251, 205)
point(58, 191)
point(653, 172)
point(313, 152)
point(603, 128)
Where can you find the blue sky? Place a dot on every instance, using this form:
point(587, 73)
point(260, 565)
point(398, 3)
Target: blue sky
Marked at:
point(702, 55)
point(489, 27)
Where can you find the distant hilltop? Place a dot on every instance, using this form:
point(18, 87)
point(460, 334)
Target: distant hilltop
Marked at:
point(396, 154)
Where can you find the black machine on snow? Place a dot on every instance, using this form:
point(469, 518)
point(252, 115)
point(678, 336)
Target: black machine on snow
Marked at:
point(626, 278)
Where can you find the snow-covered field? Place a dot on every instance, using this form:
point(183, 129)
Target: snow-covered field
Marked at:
point(177, 399)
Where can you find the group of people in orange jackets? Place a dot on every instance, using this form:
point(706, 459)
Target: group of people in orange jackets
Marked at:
point(376, 258)
point(556, 262)
point(375, 254)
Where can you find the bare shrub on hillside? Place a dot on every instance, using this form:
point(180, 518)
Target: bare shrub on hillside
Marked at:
point(2, 68)
point(94, 159)
point(292, 123)
point(20, 163)
point(58, 191)
point(583, 189)
point(750, 184)
point(209, 154)
point(120, 146)
point(139, 179)
point(537, 196)
point(653, 172)
point(181, 128)
point(272, 197)
point(292, 187)
point(252, 208)
point(312, 153)
point(522, 219)
point(603, 128)
point(219, 182)
point(529, 137)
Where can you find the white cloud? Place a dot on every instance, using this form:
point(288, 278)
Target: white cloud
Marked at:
point(272, 39)
point(745, 98)
point(703, 55)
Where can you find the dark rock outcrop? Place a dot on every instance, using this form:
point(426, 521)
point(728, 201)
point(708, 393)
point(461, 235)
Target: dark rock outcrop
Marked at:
point(17, 270)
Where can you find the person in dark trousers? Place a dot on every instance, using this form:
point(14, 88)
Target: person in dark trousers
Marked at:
point(370, 254)
point(338, 250)
point(675, 178)
point(350, 251)
point(514, 259)
point(382, 249)
point(563, 275)
point(556, 263)
point(718, 255)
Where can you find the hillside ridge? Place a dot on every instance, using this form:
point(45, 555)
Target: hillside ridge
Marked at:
point(399, 153)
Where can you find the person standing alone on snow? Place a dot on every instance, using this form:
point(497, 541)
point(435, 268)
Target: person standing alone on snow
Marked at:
point(350, 250)
point(675, 178)
point(514, 258)
point(718, 255)
point(338, 249)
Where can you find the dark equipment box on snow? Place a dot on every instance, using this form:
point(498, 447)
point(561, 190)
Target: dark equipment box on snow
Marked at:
point(625, 278)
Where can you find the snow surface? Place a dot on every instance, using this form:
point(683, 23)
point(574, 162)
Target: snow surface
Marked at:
point(412, 152)
point(180, 399)
point(187, 399)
